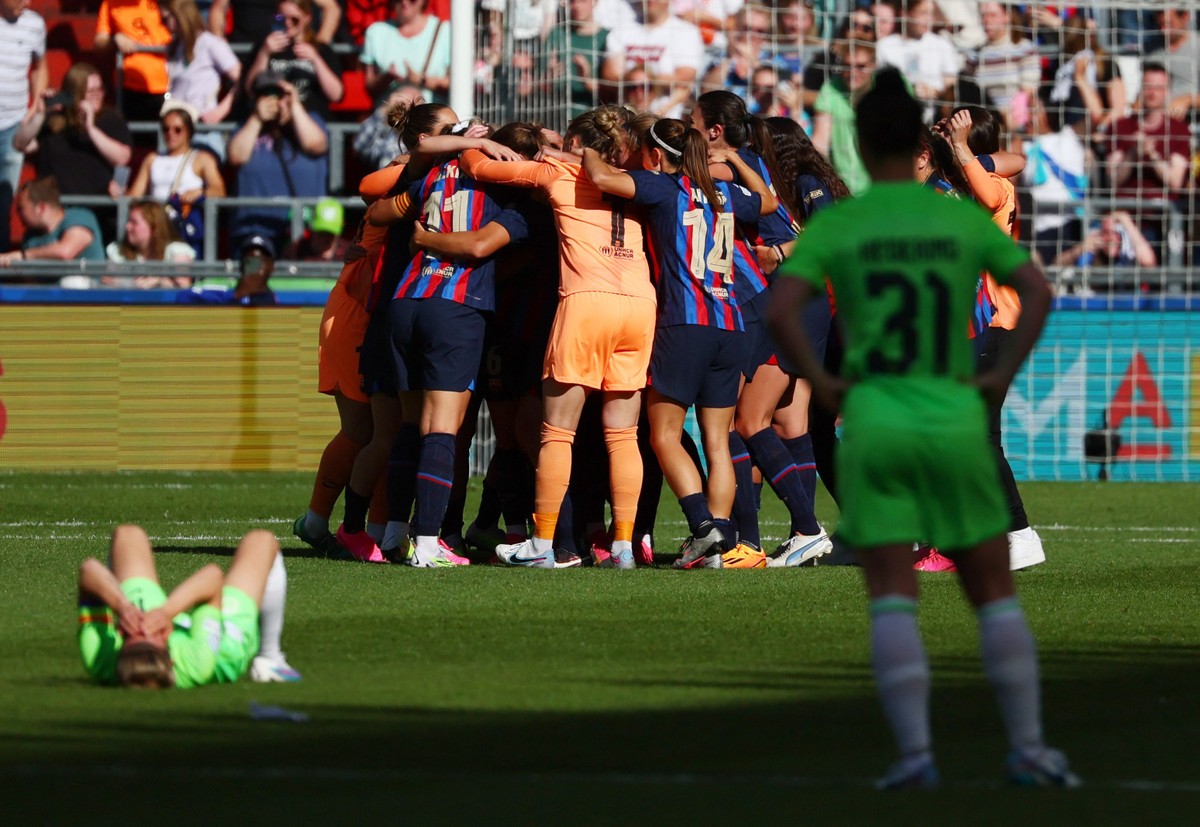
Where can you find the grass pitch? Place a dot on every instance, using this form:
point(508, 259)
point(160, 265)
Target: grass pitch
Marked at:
point(495, 696)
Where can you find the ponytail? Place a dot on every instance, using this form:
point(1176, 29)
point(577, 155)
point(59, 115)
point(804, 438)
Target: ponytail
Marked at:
point(695, 167)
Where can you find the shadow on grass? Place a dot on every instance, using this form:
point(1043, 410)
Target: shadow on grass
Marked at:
point(301, 551)
point(1123, 715)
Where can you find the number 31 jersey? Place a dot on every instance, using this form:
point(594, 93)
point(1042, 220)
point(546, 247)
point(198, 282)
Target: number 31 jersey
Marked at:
point(904, 263)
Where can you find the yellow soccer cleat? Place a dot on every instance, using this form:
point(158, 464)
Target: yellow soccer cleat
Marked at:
point(744, 557)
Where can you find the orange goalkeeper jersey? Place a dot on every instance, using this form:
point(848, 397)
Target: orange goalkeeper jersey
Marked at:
point(600, 243)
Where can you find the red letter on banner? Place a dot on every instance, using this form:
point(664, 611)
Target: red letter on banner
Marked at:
point(1139, 378)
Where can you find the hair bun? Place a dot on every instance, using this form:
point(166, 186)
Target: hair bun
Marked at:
point(889, 80)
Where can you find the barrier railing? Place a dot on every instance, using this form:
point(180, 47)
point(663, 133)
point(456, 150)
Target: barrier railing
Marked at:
point(213, 206)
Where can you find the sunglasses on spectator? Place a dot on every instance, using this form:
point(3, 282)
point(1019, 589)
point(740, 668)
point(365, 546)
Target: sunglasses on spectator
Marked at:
point(173, 130)
point(865, 27)
point(294, 19)
point(762, 90)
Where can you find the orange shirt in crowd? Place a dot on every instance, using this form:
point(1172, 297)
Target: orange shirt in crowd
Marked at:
point(140, 20)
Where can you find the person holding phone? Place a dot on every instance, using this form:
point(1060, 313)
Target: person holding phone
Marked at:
point(280, 150)
point(292, 51)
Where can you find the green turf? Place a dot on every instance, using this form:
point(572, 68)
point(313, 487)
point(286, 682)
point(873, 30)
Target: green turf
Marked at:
point(494, 696)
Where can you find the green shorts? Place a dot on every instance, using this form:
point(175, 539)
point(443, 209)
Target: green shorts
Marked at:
point(239, 641)
point(920, 472)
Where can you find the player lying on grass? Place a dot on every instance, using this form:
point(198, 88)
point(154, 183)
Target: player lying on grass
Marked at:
point(206, 631)
point(914, 460)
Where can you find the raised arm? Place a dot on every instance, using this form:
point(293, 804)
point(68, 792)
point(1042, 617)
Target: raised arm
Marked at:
point(97, 583)
point(331, 15)
point(606, 177)
point(311, 137)
point(987, 190)
point(203, 587)
point(532, 174)
point(1008, 164)
point(750, 178)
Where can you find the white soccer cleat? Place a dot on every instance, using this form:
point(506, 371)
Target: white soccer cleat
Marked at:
point(800, 550)
point(272, 670)
point(1025, 549)
point(523, 554)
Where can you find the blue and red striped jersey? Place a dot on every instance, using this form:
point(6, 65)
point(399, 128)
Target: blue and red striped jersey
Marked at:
point(749, 280)
point(450, 202)
point(692, 247)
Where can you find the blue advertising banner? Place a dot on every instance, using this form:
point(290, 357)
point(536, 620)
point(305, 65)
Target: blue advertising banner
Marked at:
point(1108, 392)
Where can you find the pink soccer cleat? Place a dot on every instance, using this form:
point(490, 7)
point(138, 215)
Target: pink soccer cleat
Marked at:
point(928, 558)
point(360, 545)
point(450, 554)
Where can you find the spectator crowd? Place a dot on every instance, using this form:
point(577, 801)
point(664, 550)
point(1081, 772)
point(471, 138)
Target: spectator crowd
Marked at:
point(1099, 101)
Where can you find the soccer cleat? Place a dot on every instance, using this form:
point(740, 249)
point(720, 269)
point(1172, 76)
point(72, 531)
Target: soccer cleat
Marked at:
point(451, 553)
point(1043, 768)
point(928, 558)
point(484, 539)
point(523, 554)
point(601, 549)
point(903, 776)
point(644, 552)
point(437, 560)
point(744, 556)
point(622, 559)
point(1025, 549)
point(800, 550)
point(360, 545)
point(564, 559)
point(327, 544)
point(272, 670)
point(399, 554)
point(701, 552)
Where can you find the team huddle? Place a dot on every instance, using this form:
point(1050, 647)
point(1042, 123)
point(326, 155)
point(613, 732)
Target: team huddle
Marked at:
point(657, 266)
point(651, 302)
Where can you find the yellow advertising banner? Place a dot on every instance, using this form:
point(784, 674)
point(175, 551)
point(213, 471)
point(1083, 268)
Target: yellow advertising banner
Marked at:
point(161, 388)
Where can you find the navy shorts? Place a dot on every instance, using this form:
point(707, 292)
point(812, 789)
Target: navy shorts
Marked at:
point(375, 354)
point(698, 365)
point(436, 344)
point(817, 316)
point(761, 347)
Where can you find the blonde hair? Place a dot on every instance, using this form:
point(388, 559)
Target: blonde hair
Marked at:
point(145, 665)
point(190, 24)
point(604, 129)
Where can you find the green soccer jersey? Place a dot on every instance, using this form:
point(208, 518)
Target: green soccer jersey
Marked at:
point(904, 262)
point(914, 462)
point(193, 643)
